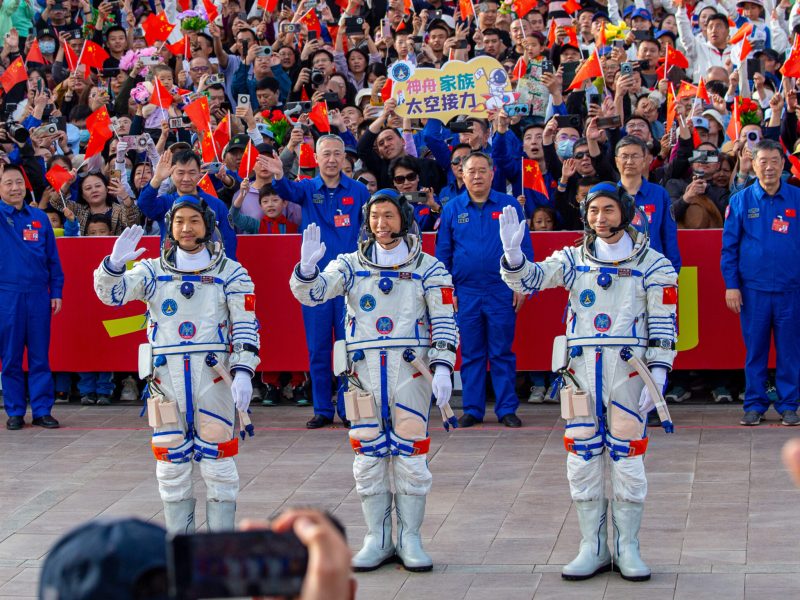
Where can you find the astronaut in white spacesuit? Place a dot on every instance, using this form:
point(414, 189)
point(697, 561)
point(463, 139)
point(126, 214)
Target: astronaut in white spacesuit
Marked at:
point(202, 325)
point(619, 345)
point(399, 326)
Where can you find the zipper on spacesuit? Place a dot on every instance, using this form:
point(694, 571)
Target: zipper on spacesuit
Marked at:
point(635, 321)
point(187, 387)
point(352, 327)
point(598, 390)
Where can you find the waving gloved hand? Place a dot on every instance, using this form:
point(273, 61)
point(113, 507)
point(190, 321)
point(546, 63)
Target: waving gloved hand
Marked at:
point(312, 250)
point(442, 386)
point(242, 390)
point(646, 401)
point(125, 248)
point(511, 232)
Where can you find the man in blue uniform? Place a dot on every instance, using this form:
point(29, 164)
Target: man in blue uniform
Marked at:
point(31, 281)
point(334, 202)
point(184, 168)
point(760, 246)
point(468, 243)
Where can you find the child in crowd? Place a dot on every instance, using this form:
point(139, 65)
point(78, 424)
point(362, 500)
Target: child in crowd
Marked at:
point(543, 219)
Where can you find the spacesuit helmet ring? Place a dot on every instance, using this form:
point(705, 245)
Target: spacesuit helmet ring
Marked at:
point(607, 189)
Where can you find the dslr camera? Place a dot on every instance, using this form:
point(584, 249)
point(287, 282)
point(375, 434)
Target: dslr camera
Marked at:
point(317, 77)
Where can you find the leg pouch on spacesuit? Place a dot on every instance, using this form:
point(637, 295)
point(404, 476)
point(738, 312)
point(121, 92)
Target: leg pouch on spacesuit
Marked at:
point(574, 403)
point(168, 411)
point(350, 405)
point(365, 427)
point(408, 423)
point(624, 423)
point(153, 413)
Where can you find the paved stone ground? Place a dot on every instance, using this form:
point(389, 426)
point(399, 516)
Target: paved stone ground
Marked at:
point(720, 520)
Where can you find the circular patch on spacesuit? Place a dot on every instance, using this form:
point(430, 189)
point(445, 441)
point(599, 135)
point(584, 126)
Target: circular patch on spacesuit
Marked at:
point(384, 325)
point(367, 302)
point(187, 330)
point(169, 307)
point(587, 298)
point(602, 322)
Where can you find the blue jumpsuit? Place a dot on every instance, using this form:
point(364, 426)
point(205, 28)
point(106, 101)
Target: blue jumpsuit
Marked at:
point(30, 277)
point(760, 246)
point(338, 214)
point(155, 207)
point(468, 243)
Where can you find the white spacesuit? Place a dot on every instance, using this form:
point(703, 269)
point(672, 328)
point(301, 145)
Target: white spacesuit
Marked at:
point(201, 324)
point(620, 315)
point(399, 309)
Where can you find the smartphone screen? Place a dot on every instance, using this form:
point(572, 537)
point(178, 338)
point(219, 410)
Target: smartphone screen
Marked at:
point(236, 564)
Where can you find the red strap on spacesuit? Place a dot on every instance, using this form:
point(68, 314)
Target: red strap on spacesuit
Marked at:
point(422, 446)
point(229, 448)
point(356, 444)
point(568, 444)
point(161, 453)
point(638, 447)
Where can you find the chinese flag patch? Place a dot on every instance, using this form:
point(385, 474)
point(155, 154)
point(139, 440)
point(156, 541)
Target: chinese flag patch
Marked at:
point(790, 212)
point(670, 295)
point(447, 295)
point(249, 301)
point(347, 200)
point(496, 215)
point(38, 225)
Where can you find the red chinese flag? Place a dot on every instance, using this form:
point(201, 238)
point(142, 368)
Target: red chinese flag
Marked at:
point(520, 69)
point(97, 142)
point(795, 162)
point(466, 9)
point(687, 90)
point(35, 54)
point(791, 68)
point(407, 7)
point(248, 160)
point(571, 6)
point(747, 48)
point(523, 7)
point(222, 134)
point(57, 176)
point(181, 48)
point(198, 113)
point(532, 178)
point(319, 117)
point(270, 6)
point(669, 295)
point(551, 33)
point(742, 33)
point(211, 9)
point(28, 185)
point(206, 185)
point(14, 74)
point(209, 151)
point(670, 110)
point(70, 57)
point(160, 96)
point(100, 121)
point(603, 40)
point(307, 159)
point(92, 55)
point(696, 138)
point(157, 28)
point(702, 92)
point(386, 90)
point(735, 126)
point(303, 94)
point(588, 70)
point(676, 58)
point(311, 21)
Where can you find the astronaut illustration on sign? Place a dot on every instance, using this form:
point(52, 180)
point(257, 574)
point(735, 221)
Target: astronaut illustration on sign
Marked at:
point(497, 97)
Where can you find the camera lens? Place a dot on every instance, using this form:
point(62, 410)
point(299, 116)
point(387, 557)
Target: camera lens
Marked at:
point(18, 132)
point(752, 136)
point(317, 77)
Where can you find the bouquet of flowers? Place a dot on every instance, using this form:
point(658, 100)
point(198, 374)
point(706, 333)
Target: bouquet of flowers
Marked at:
point(193, 20)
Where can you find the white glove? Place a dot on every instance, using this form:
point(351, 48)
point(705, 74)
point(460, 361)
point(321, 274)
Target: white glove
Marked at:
point(442, 386)
point(125, 248)
point(511, 232)
point(311, 251)
point(122, 148)
point(646, 402)
point(242, 390)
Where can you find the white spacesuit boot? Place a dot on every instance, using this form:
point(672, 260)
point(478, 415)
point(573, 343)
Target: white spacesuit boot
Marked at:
point(593, 556)
point(179, 516)
point(220, 516)
point(627, 517)
point(378, 548)
point(410, 512)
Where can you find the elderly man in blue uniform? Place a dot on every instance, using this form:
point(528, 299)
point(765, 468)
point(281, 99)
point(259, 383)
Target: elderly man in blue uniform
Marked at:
point(760, 246)
point(184, 169)
point(31, 281)
point(468, 243)
point(334, 202)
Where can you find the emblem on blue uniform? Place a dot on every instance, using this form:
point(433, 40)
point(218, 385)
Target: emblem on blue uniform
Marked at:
point(752, 213)
point(384, 325)
point(463, 218)
point(602, 322)
point(367, 302)
point(587, 298)
point(187, 330)
point(169, 307)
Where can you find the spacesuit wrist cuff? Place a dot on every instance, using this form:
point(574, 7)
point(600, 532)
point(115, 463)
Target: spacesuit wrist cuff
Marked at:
point(657, 363)
point(507, 267)
point(112, 268)
point(299, 273)
point(241, 368)
point(435, 363)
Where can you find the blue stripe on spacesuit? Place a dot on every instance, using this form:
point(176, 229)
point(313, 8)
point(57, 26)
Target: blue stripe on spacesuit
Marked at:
point(598, 390)
point(384, 393)
point(199, 278)
point(569, 276)
point(150, 286)
point(628, 410)
point(348, 277)
point(187, 387)
point(395, 274)
point(412, 411)
point(607, 270)
point(216, 416)
point(158, 433)
point(119, 300)
point(312, 293)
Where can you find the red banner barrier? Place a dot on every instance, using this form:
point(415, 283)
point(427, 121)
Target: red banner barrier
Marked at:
point(88, 335)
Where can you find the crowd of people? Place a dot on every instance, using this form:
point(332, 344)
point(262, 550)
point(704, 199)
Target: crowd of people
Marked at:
point(115, 109)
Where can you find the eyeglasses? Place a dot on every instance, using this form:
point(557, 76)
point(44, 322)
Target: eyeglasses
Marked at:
point(580, 155)
point(630, 157)
point(199, 69)
point(400, 179)
point(457, 161)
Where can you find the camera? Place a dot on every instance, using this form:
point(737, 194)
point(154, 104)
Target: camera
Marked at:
point(573, 121)
point(17, 132)
point(215, 79)
point(460, 127)
point(297, 108)
point(752, 138)
point(517, 109)
point(354, 25)
point(704, 157)
point(415, 197)
point(149, 61)
point(243, 100)
point(264, 51)
point(317, 77)
point(178, 123)
point(626, 68)
point(698, 174)
point(290, 28)
point(137, 142)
